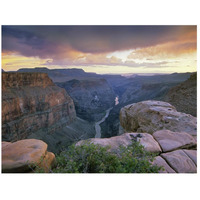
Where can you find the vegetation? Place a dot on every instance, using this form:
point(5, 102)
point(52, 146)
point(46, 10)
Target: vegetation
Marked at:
point(90, 158)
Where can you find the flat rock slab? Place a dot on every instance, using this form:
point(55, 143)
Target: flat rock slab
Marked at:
point(159, 161)
point(126, 139)
point(146, 140)
point(4, 144)
point(192, 154)
point(151, 116)
point(169, 140)
point(19, 156)
point(113, 142)
point(180, 162)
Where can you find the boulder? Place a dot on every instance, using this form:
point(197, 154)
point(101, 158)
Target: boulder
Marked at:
point(169, 140)
point(126, 139)
point(151, 116)
point(159, 161)
point(48, 162)
point(23, 155)
point(180, 162)
point(192, 154)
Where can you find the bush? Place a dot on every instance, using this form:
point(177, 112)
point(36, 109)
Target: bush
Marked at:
point(90, 158)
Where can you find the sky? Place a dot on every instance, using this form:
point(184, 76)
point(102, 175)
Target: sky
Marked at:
point(101, 49)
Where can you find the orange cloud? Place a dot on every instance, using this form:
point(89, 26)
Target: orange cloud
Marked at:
point(164, 51)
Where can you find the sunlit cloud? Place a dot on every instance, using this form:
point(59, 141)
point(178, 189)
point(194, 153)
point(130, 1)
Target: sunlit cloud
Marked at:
point(101, 48)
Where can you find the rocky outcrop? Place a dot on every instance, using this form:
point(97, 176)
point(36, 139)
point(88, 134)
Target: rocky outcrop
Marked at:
point(151, 116)
point(170, 141)
point(24, 155)
point(180, 162)
point(175, 133)
point(91, 97)
point(184, 96)
point(31, 102)
point(17, 80)
point(159, 161)
point(125, 140)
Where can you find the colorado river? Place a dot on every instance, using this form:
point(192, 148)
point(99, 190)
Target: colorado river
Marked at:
point(97, 124)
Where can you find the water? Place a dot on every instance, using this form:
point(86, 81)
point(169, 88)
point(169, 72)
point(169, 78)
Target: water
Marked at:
point(97, 124)
point(116, 100)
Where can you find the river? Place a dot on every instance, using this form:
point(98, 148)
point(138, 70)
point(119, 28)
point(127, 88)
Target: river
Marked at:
point(97, 124)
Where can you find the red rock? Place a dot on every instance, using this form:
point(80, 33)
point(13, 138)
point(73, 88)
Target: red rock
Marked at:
point(30, 102)
point(23, 155)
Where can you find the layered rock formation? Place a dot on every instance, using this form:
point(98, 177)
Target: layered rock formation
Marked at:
point(24, 155)
point(136, 89)
point(125, 140)
point(31, 102)
point(91, 97)
point(160, 129)
point(150, 116)
point(184, 96)
point(175, 133)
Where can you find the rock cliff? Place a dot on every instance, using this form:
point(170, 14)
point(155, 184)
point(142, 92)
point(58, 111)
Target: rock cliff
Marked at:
point(91, 97)
point(31, 102)
point(160, 129)
point(175, 132)
point(151, 116)
point(184, 96)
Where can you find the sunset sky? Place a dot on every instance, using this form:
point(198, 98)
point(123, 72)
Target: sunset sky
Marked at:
point(101, 49)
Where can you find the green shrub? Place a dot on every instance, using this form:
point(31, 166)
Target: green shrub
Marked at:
point(90, 158)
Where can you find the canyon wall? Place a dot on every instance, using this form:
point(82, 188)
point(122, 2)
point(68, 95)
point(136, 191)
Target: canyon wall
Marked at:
point(32, 102)
point(91, 97)
point(184, 96)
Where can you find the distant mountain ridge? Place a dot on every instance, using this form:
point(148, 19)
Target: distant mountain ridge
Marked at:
point(60, 75)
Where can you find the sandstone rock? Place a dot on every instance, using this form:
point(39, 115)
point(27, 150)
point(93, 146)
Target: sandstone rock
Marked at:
point(4, 144)
point(16, 80)
point(125, 140)
point(159, 161)
point(48, 162)
point(169, 140)
point(180, 162)
point(30, 102)
point(192, 154)
point(147, 141)
point(22, 155)
point(150, 116)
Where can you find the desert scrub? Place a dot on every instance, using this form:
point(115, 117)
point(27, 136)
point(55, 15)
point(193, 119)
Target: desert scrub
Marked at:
point(91, 158)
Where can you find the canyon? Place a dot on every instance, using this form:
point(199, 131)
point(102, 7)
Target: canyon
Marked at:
point(91, 97)
point(30, 102)
point(62, 107)
point(34, 107)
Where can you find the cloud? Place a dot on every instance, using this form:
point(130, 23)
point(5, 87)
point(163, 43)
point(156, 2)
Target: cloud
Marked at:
point(51, 41)
point(146, 64)
point(153, 46)
point(164, 51)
